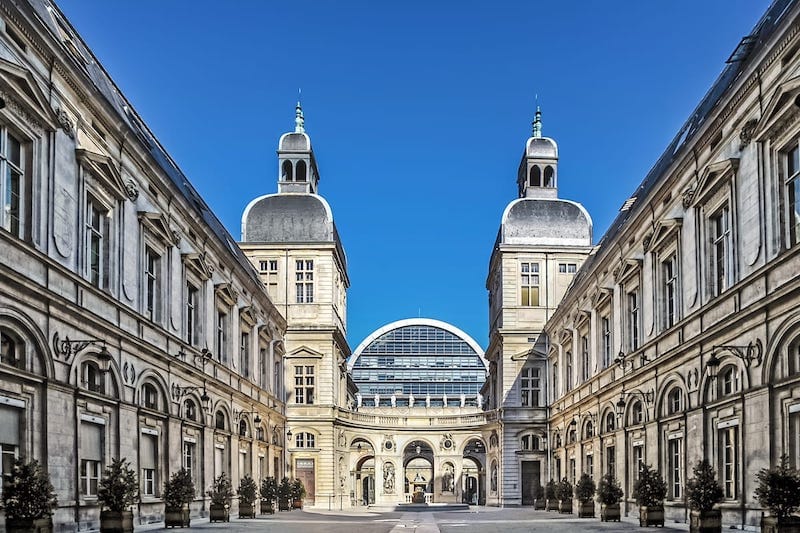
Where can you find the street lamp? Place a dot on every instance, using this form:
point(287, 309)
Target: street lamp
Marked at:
point(67, 347)
point(752, 355)
point(647, 397)
point(179, 392)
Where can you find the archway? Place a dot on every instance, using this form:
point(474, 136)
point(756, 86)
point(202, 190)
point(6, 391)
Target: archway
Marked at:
point(363, 475)
point(473, 474)
point(419, 475)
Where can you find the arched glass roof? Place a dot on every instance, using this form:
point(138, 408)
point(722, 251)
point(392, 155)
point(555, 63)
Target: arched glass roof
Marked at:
point(419, 358)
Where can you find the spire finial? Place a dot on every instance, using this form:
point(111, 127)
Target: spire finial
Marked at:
point(299, 120)
point(537, 123)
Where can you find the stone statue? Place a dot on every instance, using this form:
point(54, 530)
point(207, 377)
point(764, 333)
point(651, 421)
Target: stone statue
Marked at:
point(388, 478)
point(377, 400)
point(444, 400)
point(411, 400)
point(428, 400)
point(394, 400)
point(480, 401)
point(463, 400)
point(447, 478)
point(358, 400)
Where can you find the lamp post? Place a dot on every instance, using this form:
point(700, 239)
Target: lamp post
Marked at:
point(751, 355)
point(67, 347)
point(619, 406)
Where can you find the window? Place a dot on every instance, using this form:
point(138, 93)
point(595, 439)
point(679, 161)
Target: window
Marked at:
point(674, 467)
point(243, 428)
point(588, 430)
point(567, 268)
point(190, 410)
point(610, 421)
point(530, 443)
point(147, 457)
point(569, 378)
point(304, 281)
point(529, 387)
point(555, 380)
point(222, 336)
point(611, 460)
point(793, 193)
point(11, 350)
point(91, 457)
point(633, 319)
point(189, 457)
point(674, 401)
point(588, 467)
point(9, 440)
point(529, 284)
point(720, 249)
point(304, 440)
point(13, 180)
point(637, 460)
point(637, 413)
point(244, 355)
point(90, 477)
point(728, 381)
point(219, 421)
point(97, 232)
point(669, 272)
point(152, 284)
point(192, 322)
point(269, 275)
point(149, 396)
point(304, 384)
point(572, 470)
point(535, 177)
point(729, 460)
point(605, 325)
point(93, 377)
point(585, 364)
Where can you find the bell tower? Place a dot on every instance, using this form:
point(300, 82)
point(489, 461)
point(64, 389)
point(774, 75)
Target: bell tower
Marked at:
point(297, 168)
point(538, 170)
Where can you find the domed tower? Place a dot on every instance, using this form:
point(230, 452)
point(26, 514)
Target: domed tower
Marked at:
point(540, 246)
point(291, 239)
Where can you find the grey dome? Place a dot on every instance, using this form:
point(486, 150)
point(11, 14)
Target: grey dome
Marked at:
point(541, 148)
point(288, 218)
point(294, 142)
point(545, 221)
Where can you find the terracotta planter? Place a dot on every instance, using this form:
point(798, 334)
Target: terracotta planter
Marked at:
point(17, 525)
point(283, 505)
point(552, 505)
point(790, 524)
point(705, 521)
point(267, 507)
point(651, 516)
point(176, 517)
point(610, 513)
point(297, 504)
point(247, 510)
point(539, 504)
point(565, 506)
point(586, 509)
point(219, 513)
point(116, 522)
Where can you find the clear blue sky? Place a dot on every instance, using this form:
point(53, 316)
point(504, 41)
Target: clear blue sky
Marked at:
point(418, 112)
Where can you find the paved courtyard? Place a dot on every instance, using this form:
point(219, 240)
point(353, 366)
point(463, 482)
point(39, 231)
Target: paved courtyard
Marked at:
point(474, 520)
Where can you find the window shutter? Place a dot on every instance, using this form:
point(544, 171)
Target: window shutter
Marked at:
point(91, 441)
point(9, 425)
point(147, 451)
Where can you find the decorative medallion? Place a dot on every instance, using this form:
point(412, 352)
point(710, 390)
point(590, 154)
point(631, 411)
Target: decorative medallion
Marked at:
point(131, 190)
point(65, 122)
point(686, 197)
point(388, 443)
point(746, 135)
point(447, 441)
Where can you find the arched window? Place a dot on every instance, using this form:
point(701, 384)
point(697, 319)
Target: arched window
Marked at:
point(11, 350)
point(150, 396)
point(588, 432)
point(190, 410)
point(260, 433)
point(536, 177)
point(93, 377)
point(286, 171)
point(610, 421)
point(219, 420)
point(242, 428)
point(794, 357)
point(304, 440)
point(557, 440)
point(548, 176)
point(572, 435)
point(637, 413)
point(530, 443)
point(674, 401)
point(301, 171)
point(728, 381)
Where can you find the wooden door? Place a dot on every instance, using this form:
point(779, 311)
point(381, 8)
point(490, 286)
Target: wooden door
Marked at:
point(304, 471)
point(530, 480)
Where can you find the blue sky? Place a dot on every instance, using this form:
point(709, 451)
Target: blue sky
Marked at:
point(418, 112)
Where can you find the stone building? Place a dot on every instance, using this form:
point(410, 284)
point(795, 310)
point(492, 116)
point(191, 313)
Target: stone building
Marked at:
point(683, 323)
point(131, 325)
point(541, 244)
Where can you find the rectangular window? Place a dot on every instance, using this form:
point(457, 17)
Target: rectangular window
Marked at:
point(606, 333)
point(97, 218)
point(304, 281)
point(91, 452)
point(669, 273)
point(585, 364)
point(637, 460)
point(304, 384)
point(568, 380)
point(13, 180)
point(148, 454)
point(189, 457)
point(793, 193)
point(729, 459)
point(674, 467)
point(244, 356)
point(572, 470)
point(192, 302)
point(567, 268)
point(529, 284)
point(222, 336)
point(9, 441)
point(611, 461)
point(589, 466)
point(90, 477)
point(152, 284)
point(633, 319)
point(720, 249)
point(529, 387)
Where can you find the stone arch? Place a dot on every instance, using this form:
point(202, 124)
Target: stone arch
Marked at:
point(670, 381)
point(469, 439)
point(786, 332)
point(287, 171)
point(108, 366)
point(24, 327)
point(150, 376)
point(535, 176)
point(221, 407)
point(605, 412)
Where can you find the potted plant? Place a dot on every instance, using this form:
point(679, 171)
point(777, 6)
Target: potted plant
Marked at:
point(248, 494)
point(703, 491)
point(650, 491)
point(609, 493)
point(269, 492)
point(28, 499)
point(285, 495)
point(584, 492)
point(118, 491)
point(298, 494)
point(538, 497)
point(178, 493)
point(779, 491)
point(550, 496)
point(564, 495)
point(221, 494)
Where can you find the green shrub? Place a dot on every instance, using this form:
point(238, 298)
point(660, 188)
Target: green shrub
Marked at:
point(650, 489)
point(584, 488)
point(564, 490)
point(119, 486)
point(779, 489)
point(28, 494)
point(703, 490)
point(178, 490)
point(608, 490)
point(248, 490)
point(221, 491)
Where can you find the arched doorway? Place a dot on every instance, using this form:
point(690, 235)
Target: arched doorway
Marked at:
point(473, 474)
point(418, 467)
point(363, 475)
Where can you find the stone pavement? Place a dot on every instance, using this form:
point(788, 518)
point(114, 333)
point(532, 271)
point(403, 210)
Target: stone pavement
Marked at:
point(365, 520)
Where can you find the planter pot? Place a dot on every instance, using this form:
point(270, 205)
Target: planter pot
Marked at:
point(219, 513)
point(770, 524)
point(247, 510)
point(539, 504)
point(651, 516)
point(17, 525)
point(176, 517)
point(610, 513)
point(283, 505)
point(552, 505)
point(267, 507)
point(586, 509)
point(705, 521)
point(114, 522)
point(565, 506)
point(297, 504)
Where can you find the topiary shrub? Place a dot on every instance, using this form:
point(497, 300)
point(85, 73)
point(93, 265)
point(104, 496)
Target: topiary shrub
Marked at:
point(248, 490)
point(585, 488)
point(609, 491)
point(550, 490)
point(119, 487)
point(28, 493)
point(221, 492)
point(703, 490)
point(779, 489)
point(178, 490)
point(650, 489)
point(564, 490)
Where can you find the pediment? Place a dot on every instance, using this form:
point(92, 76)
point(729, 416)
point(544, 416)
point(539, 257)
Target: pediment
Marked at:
point(23, 88)
point(105, 171)
point(526, 355)
point(665, 229)
point(226, 293)
point(602, 296)
point(782, 104)
point(198, 265)
point(158, 225)
point(630, 267)
point(711, 178)
point(248, 314)
point(304, 352)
